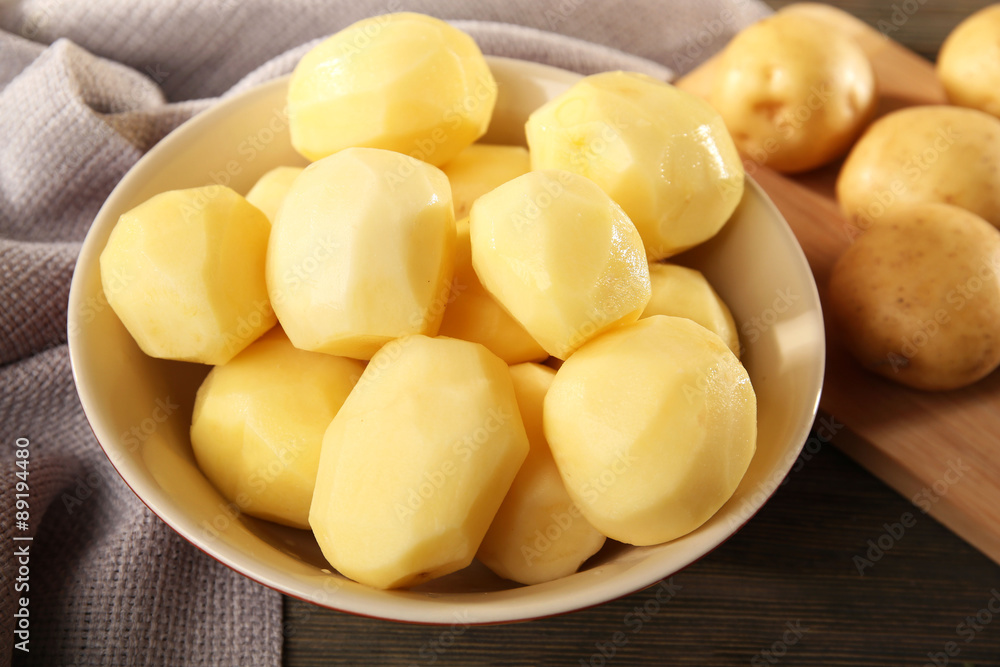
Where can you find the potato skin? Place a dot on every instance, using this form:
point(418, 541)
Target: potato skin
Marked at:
point(794, 93)
point(932, 153)
point(917, 297)
point(969, 62)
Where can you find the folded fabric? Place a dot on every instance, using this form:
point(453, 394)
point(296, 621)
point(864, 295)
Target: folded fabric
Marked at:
point(85, 90)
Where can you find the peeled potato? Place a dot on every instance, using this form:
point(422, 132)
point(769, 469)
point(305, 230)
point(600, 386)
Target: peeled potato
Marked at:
point(683, 292)
point(560, 256)
point(917, 297)
point(417, 462)
point(184, 272)
point(476, 316)
point(653, 426)
point(538, 534)
point(361, 252)
point(921, 155)
point(662, 154)
point(794, 93)
point(473, 314)
point(404, 82)
point(968, 64)
point(270, 189)
point(480, 168)
point(259, 421)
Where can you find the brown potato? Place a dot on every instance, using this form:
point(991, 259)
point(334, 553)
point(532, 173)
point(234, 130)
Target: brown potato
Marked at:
point(917, 297)
point(969, 62)
point(794, 93)
point(923, 154)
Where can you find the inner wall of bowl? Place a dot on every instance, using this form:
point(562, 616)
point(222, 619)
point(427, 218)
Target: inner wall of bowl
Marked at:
point(140, 407)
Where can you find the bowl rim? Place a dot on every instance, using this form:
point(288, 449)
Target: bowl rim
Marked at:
point(401, 609)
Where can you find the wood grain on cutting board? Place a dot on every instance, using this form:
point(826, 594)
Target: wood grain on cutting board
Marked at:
point(941, 450)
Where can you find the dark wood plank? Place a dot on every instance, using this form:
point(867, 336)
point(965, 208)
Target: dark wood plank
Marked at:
point(794, 566)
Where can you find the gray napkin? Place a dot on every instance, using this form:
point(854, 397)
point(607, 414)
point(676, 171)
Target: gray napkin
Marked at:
point(85, 89)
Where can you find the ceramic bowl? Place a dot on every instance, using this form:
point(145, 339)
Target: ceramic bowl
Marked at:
point(140, 407)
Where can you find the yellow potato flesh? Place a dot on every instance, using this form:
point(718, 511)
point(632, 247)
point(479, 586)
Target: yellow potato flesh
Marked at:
point(184, 272)
point(968, 64)
point(476, 316)
point(683, 292)
point(663, 154)
point(270, 189)
point(403, 82)
point(794, 93)
point(917, 297)
point(361, 252)
point(538, 534)
point(653, 426)
point(259, 421)
point(560, 256)
point(480, 168)
point(473, 314)
point(923, 154)
point(417, 462)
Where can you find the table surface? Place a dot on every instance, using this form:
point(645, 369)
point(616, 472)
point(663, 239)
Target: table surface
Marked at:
point(826, 574)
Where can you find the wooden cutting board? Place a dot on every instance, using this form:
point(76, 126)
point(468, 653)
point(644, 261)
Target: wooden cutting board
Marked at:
point(940, 450)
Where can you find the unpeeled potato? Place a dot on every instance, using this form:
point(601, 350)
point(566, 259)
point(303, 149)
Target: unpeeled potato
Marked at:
point(794, 92)
point(917, 297)
point(923, 154)
point(969, 62)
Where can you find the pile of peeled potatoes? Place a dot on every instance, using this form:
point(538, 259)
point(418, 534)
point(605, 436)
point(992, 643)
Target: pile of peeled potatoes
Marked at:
point(376, 320)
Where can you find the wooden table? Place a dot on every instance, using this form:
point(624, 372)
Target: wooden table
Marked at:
point(837, 569)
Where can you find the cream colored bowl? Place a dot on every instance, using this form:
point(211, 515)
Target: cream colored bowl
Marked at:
point(140, 407)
